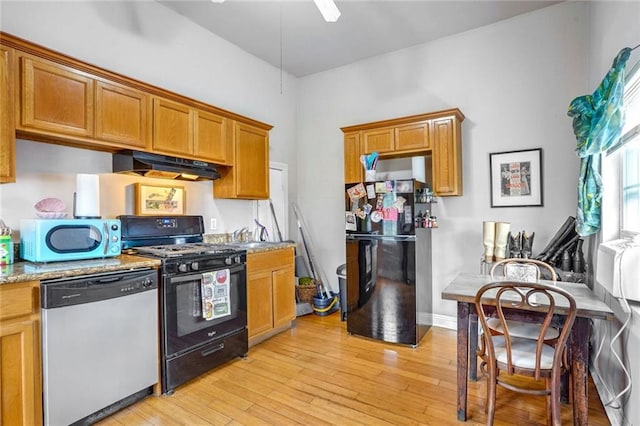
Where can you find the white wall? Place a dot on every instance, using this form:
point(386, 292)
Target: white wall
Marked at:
point(614, 25)
point(148, 42)
point(513, 81)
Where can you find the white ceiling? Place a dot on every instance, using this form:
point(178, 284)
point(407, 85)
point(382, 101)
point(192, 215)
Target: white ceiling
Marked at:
point(366, 28)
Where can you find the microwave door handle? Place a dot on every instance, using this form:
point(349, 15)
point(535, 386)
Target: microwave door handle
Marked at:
point(106, 232)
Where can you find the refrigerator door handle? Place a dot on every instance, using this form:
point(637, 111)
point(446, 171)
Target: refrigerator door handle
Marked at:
point(352, 237)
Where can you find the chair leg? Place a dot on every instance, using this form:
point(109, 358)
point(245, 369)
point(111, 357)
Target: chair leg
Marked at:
point(492, 379)
point(556, 418)
point(548, 383)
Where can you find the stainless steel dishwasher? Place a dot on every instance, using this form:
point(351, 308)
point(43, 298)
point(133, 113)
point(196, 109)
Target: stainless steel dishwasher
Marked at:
point(99, 344)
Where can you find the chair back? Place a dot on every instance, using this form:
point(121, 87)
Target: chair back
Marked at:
point(543, 301)
point(518, 269)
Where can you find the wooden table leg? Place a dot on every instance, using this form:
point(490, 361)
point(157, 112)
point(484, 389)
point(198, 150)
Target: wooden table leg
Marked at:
point(473, 344)
point(463, 358)
point(579, 370)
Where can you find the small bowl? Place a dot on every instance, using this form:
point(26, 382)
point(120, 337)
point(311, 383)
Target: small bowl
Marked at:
point(51, 215)
point(50, 205)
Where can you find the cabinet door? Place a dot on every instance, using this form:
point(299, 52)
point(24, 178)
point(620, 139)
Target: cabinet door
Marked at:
point(379, 140)
point(56, 99)
point(172, 128)
point(284, 299)
point(7, 122)
point(352, 165)
point(19, 368)
point(447, 157)
point(412, 137)
point(210, 141)
point(122, 115)
point(251, 162)
point(259, 303)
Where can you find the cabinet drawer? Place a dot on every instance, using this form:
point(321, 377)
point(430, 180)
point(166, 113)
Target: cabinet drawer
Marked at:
point(17, 299)
point(269, 260)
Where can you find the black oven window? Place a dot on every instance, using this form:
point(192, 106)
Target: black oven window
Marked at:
point(190, 316)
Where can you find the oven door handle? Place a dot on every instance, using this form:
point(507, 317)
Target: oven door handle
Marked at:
point(212, 350)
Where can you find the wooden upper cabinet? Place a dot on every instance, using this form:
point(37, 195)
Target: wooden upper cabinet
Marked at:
point(211, 141)
point(55, 99)
point(7, 120)
point(122, 115)
point(249, 176)
point(437, 134)
point(412, 136)
point(172, 128)
point(352, 166)
point(184, 131)
point(379, 140)
point(252, 161)
point(447, 157)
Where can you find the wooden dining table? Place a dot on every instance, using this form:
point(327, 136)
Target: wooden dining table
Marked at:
point(463, 290)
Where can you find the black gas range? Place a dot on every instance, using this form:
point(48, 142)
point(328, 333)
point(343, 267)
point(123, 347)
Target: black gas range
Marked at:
point(202, 291)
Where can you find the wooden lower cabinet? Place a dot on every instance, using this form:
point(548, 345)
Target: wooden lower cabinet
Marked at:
point(271, 302)
point(20, 366)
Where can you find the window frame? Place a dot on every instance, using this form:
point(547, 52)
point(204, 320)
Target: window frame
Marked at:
point(632, 135)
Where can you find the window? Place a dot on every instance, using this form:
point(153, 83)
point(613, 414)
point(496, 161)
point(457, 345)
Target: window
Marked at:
point(630, 155)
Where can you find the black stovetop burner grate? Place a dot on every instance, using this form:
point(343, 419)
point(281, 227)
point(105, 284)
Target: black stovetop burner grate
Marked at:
point(177, 250)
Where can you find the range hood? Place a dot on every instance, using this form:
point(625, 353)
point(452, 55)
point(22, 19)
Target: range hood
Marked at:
point(162, 166)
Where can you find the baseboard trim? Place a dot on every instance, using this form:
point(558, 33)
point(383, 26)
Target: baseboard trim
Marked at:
point(445, 321)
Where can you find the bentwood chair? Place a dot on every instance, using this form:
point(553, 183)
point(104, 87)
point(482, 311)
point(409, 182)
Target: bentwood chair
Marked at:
point(506, 354)
point(522, 270)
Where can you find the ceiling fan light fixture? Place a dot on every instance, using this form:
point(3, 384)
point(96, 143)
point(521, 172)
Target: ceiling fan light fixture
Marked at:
point(329, 10)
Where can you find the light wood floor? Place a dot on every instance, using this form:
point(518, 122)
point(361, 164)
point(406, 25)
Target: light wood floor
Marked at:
point(317, 374)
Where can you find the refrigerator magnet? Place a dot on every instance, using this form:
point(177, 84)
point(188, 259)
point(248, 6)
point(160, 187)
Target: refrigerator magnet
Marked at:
point(399, 203)
point(382, 188)
point(404, 186)
point(379, 202)
point(376, 216)
point(371, 191)
point(367, 208)
point(390, 213)
point(361, 214)
point(350, 221)
point(356, 192)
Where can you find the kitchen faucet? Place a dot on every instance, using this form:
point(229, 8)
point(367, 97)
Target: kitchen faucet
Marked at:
point(240, 234)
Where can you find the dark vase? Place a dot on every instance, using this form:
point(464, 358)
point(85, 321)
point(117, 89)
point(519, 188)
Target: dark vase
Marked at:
point(566, 261)
point(578, 258)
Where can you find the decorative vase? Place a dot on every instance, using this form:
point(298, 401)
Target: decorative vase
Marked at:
point(578, 258)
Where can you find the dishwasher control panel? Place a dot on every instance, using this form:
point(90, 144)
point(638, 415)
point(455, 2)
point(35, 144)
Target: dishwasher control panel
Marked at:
point(94, 288)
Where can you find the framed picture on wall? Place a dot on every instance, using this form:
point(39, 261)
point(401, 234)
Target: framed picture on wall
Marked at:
point(516, 178)
point(159, 199)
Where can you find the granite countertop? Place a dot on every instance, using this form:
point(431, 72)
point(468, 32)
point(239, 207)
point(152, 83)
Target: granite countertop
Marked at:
point(31, 271)
point(269, 247)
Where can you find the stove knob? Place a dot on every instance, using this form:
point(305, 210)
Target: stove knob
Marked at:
point(228, 261)
point(238, 259)
point(195, 266)
point(182, 267)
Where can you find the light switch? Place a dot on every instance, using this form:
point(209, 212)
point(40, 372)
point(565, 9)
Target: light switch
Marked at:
point(214, 224)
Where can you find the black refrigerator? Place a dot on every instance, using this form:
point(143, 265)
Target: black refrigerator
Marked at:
point(388, 245)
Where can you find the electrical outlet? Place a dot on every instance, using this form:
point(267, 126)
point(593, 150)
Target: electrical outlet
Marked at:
point(214, 224)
